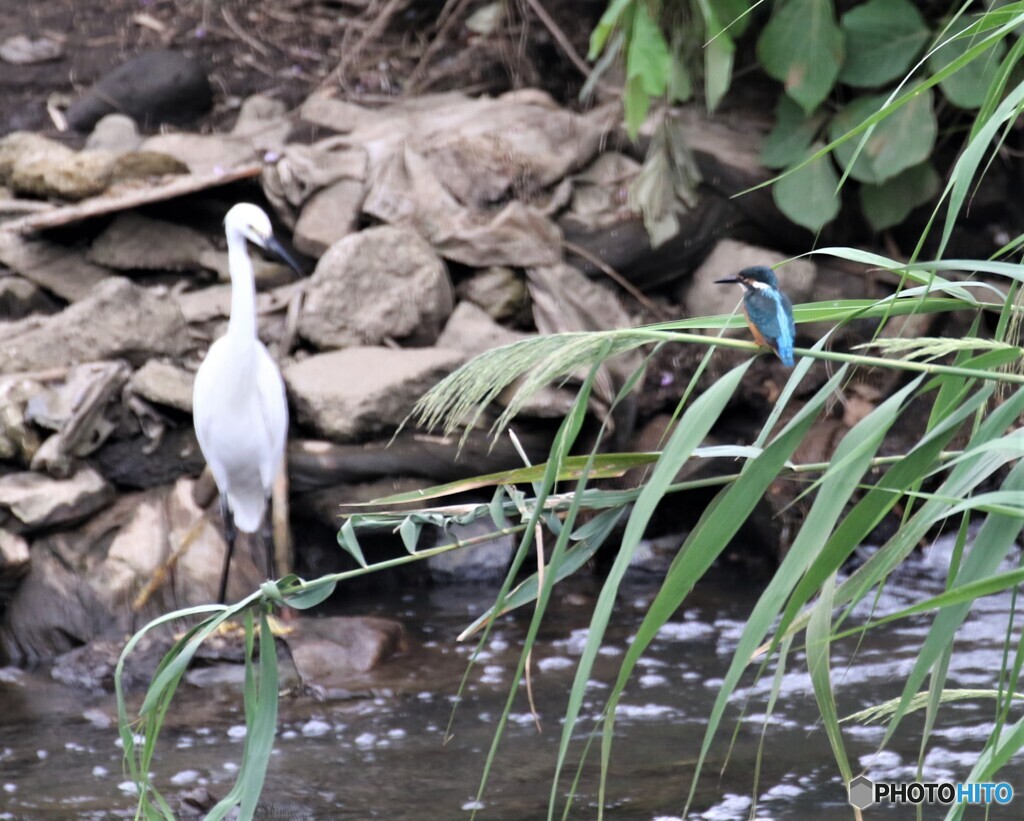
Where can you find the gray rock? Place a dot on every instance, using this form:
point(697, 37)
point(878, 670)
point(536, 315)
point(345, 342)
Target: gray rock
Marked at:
point(381, 283)
point(84, 411)
point(22, 147)
point(120, 320)
point(564, 299)
point(31, 501)
point(153, 88)
point(52, 611)
point(263, 120)
point(20, 298)
point(73, 176)
point(203, 153)
point(164, 384)
point(498, 290)
point(471, 330)
point(702, 297)
point(484, 562)
point(62, 271)
point(140, 165)
point(215, 301)
point(14, 563)
point(134, 242)
point(142, 461)
point(135, 555)
point(22, 50)
point(267, 273)
point(329, 215)
point(19, 439)
point(116, 133)
point(600, 196)
point(328, 652)
point(357, 392)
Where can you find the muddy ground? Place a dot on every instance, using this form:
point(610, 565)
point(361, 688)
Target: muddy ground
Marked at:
point(373, 49)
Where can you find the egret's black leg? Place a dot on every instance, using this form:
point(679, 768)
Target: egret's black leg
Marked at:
point(267, 536)
point(230, 534)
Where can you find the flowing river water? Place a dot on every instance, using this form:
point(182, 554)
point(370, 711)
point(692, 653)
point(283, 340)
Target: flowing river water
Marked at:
point(383, 755)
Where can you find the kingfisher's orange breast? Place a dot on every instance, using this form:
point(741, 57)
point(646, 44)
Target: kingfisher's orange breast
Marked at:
point(758, 337)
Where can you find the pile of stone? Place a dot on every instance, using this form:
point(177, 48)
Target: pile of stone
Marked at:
point(435, 228)
point(106, 321)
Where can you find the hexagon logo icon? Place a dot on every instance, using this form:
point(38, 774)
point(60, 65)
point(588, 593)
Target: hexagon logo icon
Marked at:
point(862, 792)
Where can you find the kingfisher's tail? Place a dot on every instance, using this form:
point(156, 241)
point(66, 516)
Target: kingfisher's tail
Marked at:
point(785, 351)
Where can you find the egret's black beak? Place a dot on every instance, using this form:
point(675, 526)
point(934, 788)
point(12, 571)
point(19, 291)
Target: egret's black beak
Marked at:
point(729, 281)
point(277, 249)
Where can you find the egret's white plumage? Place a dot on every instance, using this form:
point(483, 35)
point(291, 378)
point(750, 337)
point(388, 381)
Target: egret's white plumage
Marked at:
point(238, 401)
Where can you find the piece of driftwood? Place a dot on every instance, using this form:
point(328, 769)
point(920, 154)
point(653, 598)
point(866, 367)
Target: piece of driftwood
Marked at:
point(314, 464)
point(131, 194)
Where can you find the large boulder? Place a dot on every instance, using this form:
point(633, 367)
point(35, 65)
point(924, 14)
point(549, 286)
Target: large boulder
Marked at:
point(358, 392)
point(381, 283)
point(120, 320)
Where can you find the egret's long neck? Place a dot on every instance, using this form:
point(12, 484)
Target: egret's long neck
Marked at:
point(242, 325)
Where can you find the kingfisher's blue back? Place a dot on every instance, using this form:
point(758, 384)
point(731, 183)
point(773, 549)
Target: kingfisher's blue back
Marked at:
point(771, 314)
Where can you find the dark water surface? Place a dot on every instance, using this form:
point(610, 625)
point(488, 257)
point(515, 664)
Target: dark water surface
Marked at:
point(382, 756)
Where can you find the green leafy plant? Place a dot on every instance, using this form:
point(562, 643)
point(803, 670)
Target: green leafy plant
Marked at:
point(880, 60)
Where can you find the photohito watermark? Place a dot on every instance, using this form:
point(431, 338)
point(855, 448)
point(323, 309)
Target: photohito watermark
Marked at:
point(864, 792)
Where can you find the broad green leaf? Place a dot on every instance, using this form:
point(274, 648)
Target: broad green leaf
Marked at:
point(733, 15)
point(680, 84)
point(347, 539)
point(649, 57)
point(809, 195)
point(903, 139)
point(718, 57)
point(719, 49)
point(882, 39)
point(891, 202)
point(635, 103)
point(802, 47)
point(792, 135)
point(609, 21)
point(261, 686)
point(311, 597)
point(969, 84)
point(648, 66)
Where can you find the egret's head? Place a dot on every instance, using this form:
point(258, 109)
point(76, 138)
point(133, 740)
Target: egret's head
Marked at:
point(251, 221)
point(753, 278)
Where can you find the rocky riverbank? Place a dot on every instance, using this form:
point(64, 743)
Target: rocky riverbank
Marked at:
point(433, 228)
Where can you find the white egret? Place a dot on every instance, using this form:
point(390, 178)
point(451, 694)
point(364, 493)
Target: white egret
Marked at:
point(238, 401)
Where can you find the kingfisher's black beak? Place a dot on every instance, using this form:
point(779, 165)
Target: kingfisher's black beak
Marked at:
point(729, 281)
point(277, 249)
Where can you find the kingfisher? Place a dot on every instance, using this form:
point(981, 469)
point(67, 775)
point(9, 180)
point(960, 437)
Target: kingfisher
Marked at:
point(769, 312)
